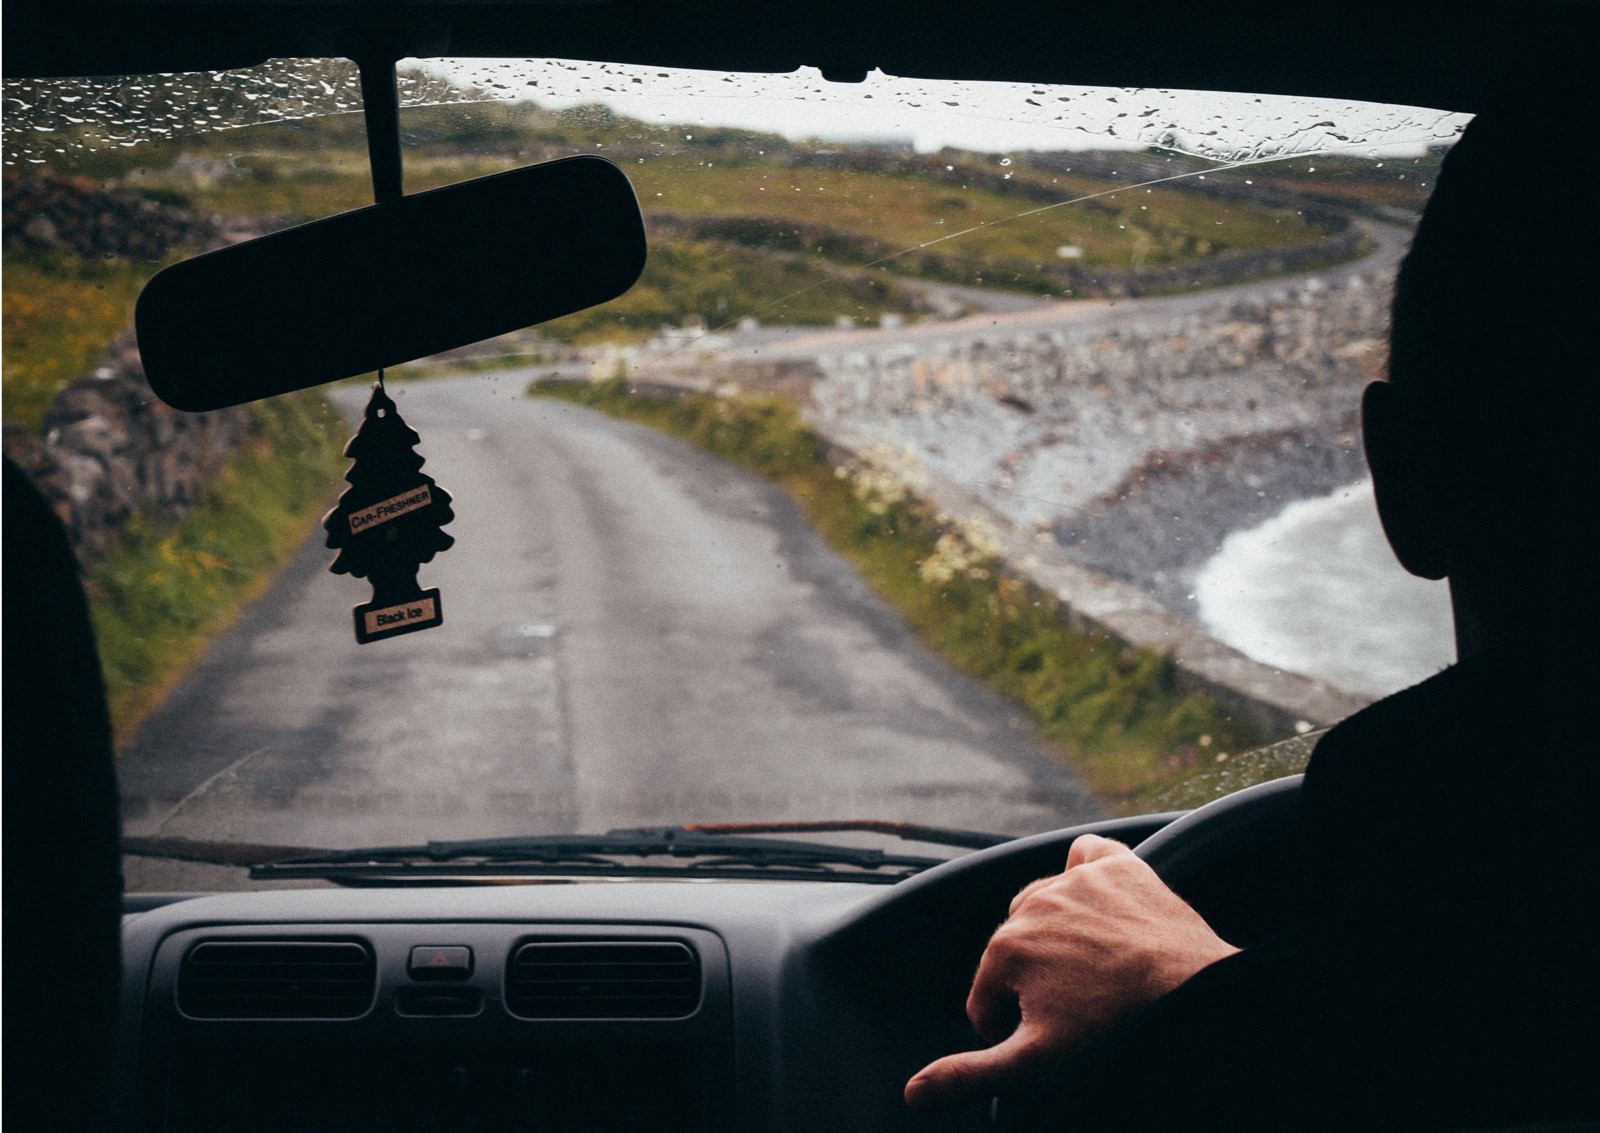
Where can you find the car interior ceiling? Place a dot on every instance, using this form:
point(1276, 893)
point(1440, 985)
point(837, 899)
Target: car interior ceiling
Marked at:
point(1439, 53)
point(1454, 54)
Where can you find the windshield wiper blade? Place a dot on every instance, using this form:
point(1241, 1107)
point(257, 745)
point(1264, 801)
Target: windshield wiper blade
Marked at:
point(908, 831)
point(727, 855)
point(212, 853)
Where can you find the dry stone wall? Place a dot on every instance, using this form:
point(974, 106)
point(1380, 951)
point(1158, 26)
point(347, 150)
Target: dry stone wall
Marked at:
point(71, 214)
point(1323, 335)
point(1047, 414)
point(108, 448)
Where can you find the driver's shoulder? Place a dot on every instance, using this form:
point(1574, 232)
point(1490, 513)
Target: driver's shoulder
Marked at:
point(1406, 803)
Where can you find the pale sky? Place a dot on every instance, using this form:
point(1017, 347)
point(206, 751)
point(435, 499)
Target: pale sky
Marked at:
point(988, 117)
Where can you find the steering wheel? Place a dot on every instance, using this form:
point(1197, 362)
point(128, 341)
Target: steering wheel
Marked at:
point(1237, 860)
point(1223, 827)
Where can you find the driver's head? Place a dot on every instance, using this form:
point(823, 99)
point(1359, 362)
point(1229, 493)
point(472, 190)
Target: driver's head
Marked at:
point(1483, 444)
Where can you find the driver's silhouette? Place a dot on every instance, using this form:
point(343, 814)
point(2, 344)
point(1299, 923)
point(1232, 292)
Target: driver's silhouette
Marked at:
point(1449, 976)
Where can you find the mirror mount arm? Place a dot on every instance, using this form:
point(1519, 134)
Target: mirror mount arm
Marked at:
point(380, 101)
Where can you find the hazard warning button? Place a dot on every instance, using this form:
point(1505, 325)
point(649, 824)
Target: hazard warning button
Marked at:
point(440, 962)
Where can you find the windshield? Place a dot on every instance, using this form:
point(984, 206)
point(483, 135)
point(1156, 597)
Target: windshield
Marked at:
point(975, 456)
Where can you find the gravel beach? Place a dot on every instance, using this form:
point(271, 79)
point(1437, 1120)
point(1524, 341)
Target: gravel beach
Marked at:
point(1141, 435)
point(1171, 516)
point(1145, 487)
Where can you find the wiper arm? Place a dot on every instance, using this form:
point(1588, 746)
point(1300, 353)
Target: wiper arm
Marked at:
point(727, 855)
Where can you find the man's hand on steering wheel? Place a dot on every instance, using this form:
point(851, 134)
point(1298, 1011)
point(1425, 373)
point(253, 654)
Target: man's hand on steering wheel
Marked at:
point(1078, 951)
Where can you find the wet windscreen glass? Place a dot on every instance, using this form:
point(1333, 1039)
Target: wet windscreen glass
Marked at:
point(954, 443)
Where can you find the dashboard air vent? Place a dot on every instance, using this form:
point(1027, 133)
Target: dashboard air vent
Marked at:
point(288, 979)
point(593, 979)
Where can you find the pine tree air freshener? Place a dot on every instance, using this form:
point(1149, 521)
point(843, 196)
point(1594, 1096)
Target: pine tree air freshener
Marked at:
point(387, 523)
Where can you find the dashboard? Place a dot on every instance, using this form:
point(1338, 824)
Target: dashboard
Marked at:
point(694, 1005)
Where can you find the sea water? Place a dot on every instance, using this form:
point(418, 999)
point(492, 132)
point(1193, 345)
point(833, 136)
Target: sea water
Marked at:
point(1316, 590)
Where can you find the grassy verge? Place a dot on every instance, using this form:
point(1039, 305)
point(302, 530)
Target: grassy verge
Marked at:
point(161, 595)
point(1115, 714)
point(60, 311)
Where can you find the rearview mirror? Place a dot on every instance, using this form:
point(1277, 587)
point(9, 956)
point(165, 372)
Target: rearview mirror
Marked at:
point(390, 283)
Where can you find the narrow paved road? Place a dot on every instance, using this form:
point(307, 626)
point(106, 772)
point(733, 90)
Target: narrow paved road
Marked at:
point(634, 633)
point(1021, 316)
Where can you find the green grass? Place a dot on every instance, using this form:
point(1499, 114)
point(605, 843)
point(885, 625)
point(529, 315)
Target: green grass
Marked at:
point(808, 230)
point(1113, 226)
point(162, 593)
point(721, 284)
point(903, 212)
point(1116, 714)
point(1395, 185)
point(59, 314)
